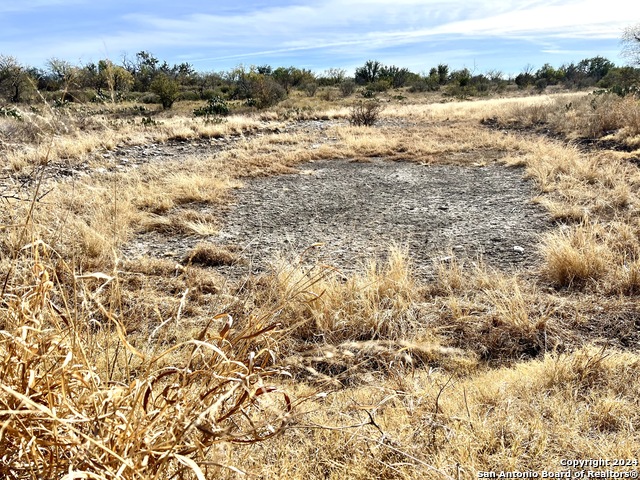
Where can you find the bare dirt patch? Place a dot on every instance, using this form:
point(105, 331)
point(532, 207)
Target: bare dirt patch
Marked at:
point(357, 209)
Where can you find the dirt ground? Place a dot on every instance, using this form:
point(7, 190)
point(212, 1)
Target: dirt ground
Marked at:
point(357, 209)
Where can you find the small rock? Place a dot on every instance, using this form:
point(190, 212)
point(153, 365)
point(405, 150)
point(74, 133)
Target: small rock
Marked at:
point(518, 249)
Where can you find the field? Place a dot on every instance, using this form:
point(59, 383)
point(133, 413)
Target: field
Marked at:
point(282, 294)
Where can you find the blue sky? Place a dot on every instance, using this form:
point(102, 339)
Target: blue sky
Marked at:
point(218, 35)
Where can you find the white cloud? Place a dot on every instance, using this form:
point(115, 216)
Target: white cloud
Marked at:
point(346, 26)
point(357, 22)
point(576, 19)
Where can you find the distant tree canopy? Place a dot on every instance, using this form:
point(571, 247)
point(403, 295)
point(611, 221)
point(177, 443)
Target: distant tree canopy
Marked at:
point(263, 85)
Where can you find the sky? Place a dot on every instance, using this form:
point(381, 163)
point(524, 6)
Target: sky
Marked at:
point(217, 35)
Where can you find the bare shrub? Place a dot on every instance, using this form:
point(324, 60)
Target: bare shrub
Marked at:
point(347, 87)
point(365, 113)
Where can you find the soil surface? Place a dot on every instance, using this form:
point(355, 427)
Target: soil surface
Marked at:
point(358, 209)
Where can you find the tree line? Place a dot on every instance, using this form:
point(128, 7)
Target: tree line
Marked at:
point(148, 79)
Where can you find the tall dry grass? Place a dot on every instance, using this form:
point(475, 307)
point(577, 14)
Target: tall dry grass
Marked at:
point(592, 116)
point(79, 400)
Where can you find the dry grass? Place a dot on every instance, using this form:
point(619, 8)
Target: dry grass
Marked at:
point(576, 256)
point(72, 134)
point(117, 368)
point(86, 403)
point(592, 116)
point(372, 305)
point(430, 425)
point(210, 255)
point(501, 318)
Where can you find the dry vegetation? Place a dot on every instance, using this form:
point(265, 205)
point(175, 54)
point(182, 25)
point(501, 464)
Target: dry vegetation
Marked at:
point(156, 368)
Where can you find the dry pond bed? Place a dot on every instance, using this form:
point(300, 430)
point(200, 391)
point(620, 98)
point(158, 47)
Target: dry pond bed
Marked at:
point(356, 209)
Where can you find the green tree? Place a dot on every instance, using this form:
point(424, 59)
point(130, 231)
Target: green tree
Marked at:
point(166, 88)
point(548, 75)
point(63, 74)
point(595, 68)
point(14, 79)
point(292, 77)
point(621, 78)
point(257, 89)
point(368, 73)
point(185, 74)
point(143, 69)
point(460, 77)
point(264, 69)
point(443, 73)
point(396, 76)
point(525, 78)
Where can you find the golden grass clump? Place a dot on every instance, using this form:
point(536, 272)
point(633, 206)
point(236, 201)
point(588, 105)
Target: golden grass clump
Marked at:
point(592, 256)
point(575, 256)
point(498, 316)
point(342, 326)
point(370, 305)
point(211, 255)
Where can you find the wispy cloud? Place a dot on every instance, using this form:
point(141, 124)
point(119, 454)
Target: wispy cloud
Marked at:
point(356, 22)
point(226, 30)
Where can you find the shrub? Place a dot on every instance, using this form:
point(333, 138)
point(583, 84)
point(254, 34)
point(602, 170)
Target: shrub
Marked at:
point(190, 96)
point(424, 85)
point(347, 87)
point(379, 86)
point(310, 88)
point(266, 92)
point(149, 98)
point(365, 113)
point(148, 122)
point(258, 90)
point(459, 92)
point(215, 106)
point(328, 94)
point(166, 89)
